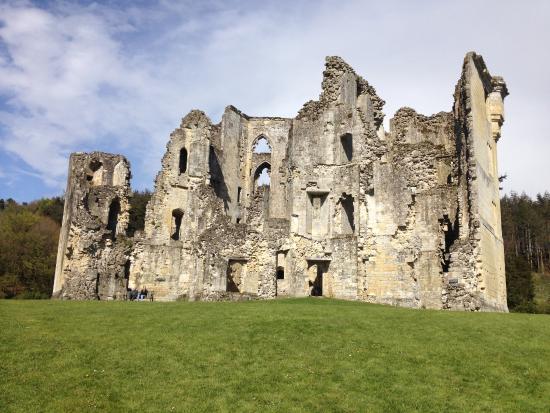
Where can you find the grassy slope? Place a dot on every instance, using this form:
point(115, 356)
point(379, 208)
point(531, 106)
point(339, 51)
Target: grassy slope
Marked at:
point(542, 292)
point(283, 355)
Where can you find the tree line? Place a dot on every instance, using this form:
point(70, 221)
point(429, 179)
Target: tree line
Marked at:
point(28, 247)
point(526, 235)
point(29, 234)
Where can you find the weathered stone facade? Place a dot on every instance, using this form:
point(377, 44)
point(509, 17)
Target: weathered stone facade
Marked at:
point(407, 217)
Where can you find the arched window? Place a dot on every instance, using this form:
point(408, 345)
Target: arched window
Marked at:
point(262, 176)
point(177, 216)
point(112, 220)
point(262, 145)
point(183, 161)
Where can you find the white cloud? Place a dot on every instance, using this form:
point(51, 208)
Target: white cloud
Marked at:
point(58, 65)
point(100, 77)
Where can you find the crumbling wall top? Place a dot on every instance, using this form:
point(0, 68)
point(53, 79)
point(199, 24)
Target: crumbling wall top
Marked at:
point(195, 119)
point(490, 83)
point(335, 70)
point(406, 117)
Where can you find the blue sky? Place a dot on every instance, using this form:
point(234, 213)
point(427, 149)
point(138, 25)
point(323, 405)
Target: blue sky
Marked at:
point(118, 76)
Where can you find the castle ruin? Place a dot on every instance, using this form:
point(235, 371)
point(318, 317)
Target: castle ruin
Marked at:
point(323, 204)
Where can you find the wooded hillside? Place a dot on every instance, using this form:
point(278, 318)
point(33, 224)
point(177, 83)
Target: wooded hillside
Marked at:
point(526, 233)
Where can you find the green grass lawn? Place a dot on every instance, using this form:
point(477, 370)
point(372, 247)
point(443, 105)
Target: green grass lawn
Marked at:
point(282, 355)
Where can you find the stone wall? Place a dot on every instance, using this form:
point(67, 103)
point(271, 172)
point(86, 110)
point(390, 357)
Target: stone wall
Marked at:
point(406, 217)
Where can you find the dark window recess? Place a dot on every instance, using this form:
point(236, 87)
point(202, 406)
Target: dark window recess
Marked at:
point(347, 146)
point(112, 220)
point(177, 216)
point(280, 273)
point(127, 270)
point(450, 232)
point(183, 161)
point(349, 213)
point(239, 194)
point(317, 285)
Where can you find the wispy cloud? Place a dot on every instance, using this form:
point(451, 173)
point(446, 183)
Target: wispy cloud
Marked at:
point(56, 77)
point(118, 76)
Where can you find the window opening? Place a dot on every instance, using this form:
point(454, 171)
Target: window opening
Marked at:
point(262, 176)
point(177, 216)
point(112, 220)
point(262, 145)
point(348, 218)
point(235, 270)
point(347, 146)
point(183, 161)
point(95, 176)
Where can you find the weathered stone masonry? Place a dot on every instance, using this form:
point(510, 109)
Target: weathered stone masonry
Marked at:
point(407, 217)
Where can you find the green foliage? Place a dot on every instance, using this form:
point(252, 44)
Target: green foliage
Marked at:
point(5, 203)
point(526, 234)
point(138, 205)
point(520, 289)
point(28, 248)
point(302, 355)
point(526, 228)
point(49, 207)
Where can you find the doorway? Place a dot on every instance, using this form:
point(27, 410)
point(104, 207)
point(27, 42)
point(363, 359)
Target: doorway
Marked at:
point(317, 277)
point(235, 275)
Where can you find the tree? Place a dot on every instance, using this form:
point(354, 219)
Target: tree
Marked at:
point(28, 248)
point(526, 234)
point(520, 289)
point(49, 207)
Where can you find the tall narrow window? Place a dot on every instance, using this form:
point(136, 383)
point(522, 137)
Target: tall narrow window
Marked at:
point(112, 220)
point(177, 216)
point(183, 161)
point(347, 147)
point(127, 270)
point(239, 195)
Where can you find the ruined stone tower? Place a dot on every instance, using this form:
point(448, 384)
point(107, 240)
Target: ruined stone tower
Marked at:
point(326, 203)
point(92, 258)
